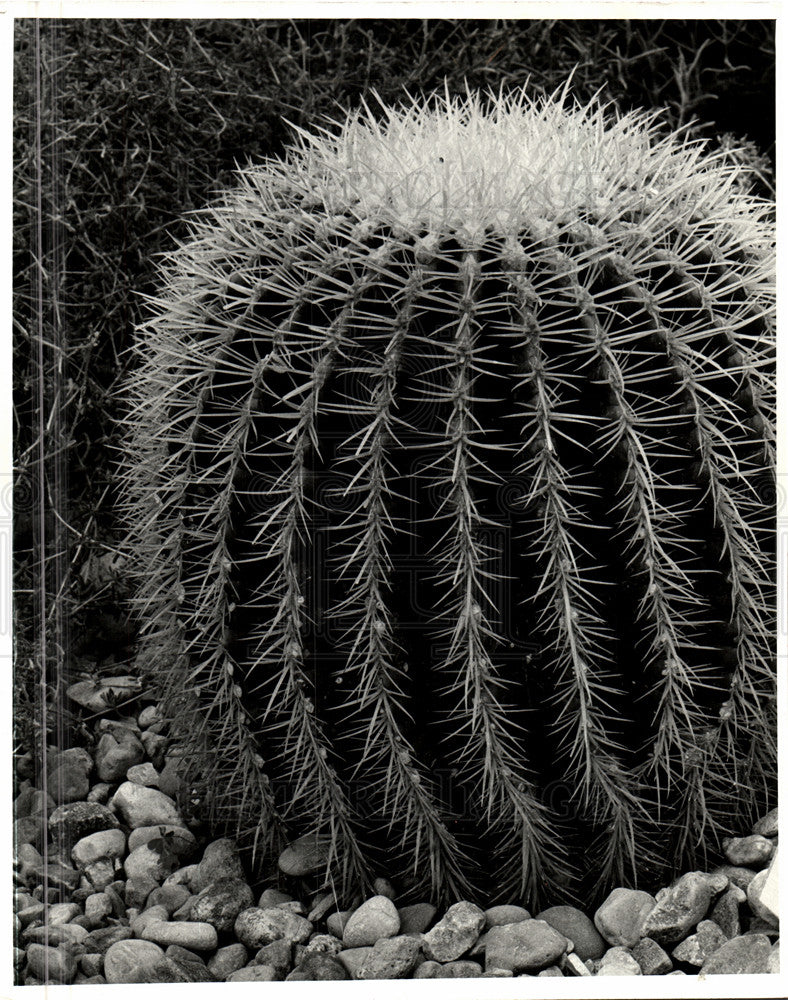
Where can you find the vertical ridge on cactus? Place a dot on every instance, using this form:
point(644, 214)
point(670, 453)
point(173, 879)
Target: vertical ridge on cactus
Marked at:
point(449, 479)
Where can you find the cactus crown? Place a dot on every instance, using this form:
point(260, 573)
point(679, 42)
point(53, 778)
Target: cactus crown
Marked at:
point(448, 485)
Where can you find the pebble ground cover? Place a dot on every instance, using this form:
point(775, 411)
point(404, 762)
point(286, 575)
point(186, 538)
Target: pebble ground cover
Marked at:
point(139, 894)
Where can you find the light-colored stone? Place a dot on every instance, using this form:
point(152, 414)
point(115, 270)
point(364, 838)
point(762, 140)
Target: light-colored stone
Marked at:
point(61, 913)
point(143, 774)
point(150, 862)
point(725, 912)
point(573, 965)
point(322, 942)
point(390, 958)
point(155, 747)
point(227, 960)
point(130, 961)
point(186, 933)
point(141, 806)
point(686, 904)
point(375, 919)
point(526, 946)
point(51, 965)
point(103, 844)
point(767, 825)
point(101, 873)
point(138, 889)
point(762, 894)
point(253, 974)
point(353, 959)
point(428, 970)
point(736, 875)
point(651, 957)
point(255, 927)
point(695, 949)
point(318, 967)
point(273, 897)
point(99, 792)
point(220, 903)
point(171, 897)
point(620, 917)
point(68, 782)
point(743, 955)
point(751, 852)
point(61, 934)
point(98, 696)
point(460, 969)
point(618, 961)
point(322, 904)
point(336, 922)
point(153, 915)
point(91, 964)
point(148, 716)
point(455, 933)
point(278, 954)
point(98, 907)
point(178, 839)
point(183, 876)
point(505, 914)
point(116, 753)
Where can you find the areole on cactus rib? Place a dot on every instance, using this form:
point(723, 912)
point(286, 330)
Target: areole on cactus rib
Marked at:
point(449, 482)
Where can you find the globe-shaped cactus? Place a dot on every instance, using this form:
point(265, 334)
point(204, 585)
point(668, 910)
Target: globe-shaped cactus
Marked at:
point(449, 483)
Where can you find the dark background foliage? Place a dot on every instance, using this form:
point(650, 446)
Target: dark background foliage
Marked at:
point(122, 126)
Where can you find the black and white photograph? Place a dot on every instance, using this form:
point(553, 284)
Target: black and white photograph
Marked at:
point(395, 522)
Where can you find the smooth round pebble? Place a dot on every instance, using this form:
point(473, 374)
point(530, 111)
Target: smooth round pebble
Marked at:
point(143, 774)
point(178, 839)
point(150, 861)
point(54, 965)
point(620, 917)
point(102, 844)
point(526, 946)
point(767, 826)
point(743, 955)
point(375, 919)
point(416, 918)
point(578, 928)
point(505, 914)
point(227, 960)
point(750, 852)
point(130, 961)
point(141, 806)
point(186, 933)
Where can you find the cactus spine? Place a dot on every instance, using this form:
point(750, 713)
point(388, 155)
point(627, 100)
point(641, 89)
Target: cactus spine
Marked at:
point(450, 453)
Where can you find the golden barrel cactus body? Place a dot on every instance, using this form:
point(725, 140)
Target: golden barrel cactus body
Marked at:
point(449, 484)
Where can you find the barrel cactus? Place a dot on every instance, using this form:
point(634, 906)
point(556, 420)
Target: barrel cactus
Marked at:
point(449, 478)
